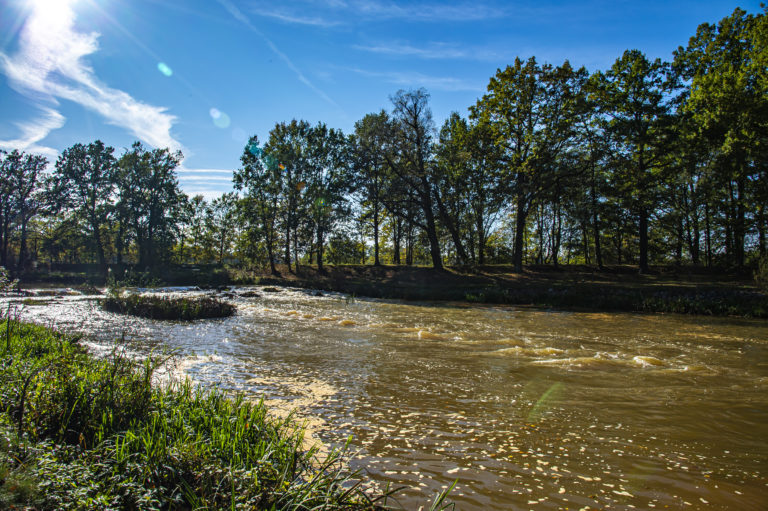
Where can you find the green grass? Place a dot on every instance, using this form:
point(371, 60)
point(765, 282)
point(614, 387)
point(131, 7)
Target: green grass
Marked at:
point(77, 432)
point(160, 307)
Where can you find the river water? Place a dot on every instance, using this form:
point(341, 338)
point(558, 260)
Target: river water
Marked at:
point(527, 409)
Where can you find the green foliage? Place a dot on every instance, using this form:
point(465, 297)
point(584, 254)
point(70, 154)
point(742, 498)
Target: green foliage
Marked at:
point(83, 433)
point(6, 284)
point(761, 274)
point(163, 307)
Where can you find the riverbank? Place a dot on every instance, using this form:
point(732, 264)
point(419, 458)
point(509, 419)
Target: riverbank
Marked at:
point(674, 290)
point(83, 432)
point(687, 290)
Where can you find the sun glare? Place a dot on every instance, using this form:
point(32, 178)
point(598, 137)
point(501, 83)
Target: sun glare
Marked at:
point(51, 6)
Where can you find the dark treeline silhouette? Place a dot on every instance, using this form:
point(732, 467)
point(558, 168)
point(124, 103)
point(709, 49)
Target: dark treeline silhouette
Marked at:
point(648, 162)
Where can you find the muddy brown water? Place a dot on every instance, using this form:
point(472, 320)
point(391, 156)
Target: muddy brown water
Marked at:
point(526, 409)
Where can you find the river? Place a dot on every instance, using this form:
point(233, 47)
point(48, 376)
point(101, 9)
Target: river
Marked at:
point(526, 408)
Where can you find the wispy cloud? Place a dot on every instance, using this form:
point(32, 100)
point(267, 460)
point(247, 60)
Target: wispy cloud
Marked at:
point(241, 17)
point(49, 65)
point(210, 183)
point(207, 179)
point(294, 18)
point(436, 12)
point(335, 12)
point(415, 79)
point(185, 171)
point(34, 131)
point(437, 51)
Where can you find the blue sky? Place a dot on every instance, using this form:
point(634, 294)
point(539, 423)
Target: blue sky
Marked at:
point(202, 76)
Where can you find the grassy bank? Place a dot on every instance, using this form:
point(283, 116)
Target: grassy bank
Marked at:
point(667, 289)
point(163, 307)
point(689, 290)
point(78, 432)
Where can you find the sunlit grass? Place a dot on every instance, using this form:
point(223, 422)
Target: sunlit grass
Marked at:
point(77, 432)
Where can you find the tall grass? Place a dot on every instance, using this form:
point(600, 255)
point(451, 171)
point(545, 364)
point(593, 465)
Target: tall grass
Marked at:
point(77, 432)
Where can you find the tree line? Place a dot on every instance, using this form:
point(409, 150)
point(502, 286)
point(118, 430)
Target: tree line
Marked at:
point(647, 162)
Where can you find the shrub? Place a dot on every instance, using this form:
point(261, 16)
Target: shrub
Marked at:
point(160, 307)
point(761, 274)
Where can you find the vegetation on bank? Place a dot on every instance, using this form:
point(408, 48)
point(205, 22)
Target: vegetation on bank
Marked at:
point(164, 307)
point(77, 432)
point(577, 288)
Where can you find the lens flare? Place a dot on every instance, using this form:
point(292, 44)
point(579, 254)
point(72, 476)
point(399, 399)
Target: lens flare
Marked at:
point(552, 394)
point(220, 119)
point(163, 68)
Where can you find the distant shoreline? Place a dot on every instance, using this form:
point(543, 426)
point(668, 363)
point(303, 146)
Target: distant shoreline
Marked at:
point(686, 290)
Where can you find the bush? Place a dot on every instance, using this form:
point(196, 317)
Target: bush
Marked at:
point(161, 307)
point(761, 274)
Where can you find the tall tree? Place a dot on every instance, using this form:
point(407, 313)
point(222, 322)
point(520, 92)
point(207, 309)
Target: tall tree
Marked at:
point(531, 110)
point(636, 115)
point(22, 172)
point(411, 160)
point(260, 208)
point(327, 183)
point(368, 142)
point(85, 180)
point(725, 68)
point(150, 190)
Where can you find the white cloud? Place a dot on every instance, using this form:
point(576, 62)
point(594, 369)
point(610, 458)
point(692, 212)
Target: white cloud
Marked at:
point(34, 131)
point(49, 65)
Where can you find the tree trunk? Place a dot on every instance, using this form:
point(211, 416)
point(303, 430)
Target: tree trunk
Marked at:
point(707, 235)
point(740, 227)
point(397, 233)
point(376, 261)
point(761, 229)
point(453, 230)
point(288, 247)
point(480, 241)
point(643, 240)
point(517, 255)
point(319, 250)
point(22, 264)
point(434, 243)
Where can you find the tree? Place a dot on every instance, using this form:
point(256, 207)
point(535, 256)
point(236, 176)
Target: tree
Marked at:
point(367, 143)
point(724, 67)
point(221, 223)
point(531, 111)
point(21, 199)
point(286, 151)
point(327, 182)
point(410, 160)
point(636, 117)
point(85, 181)
point(150, 194)
point(260, 207)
